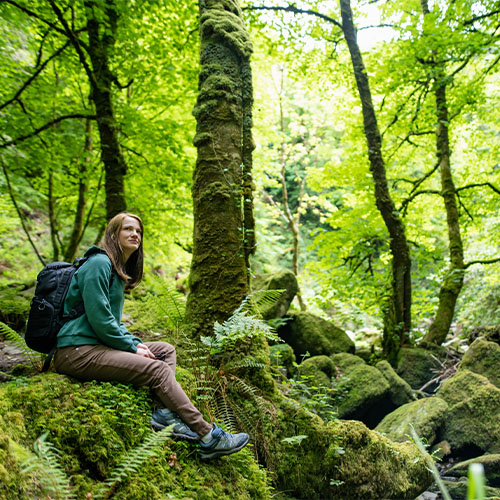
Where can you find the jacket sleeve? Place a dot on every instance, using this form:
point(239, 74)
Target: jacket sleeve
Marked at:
point(93, 281)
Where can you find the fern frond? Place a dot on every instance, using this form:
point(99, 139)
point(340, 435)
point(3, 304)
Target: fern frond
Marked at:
point(48, 470)
point(170, 302)
point(249, 362)
point(262, 299)
point(133, 461)
point(224, 413)
point(12, 336)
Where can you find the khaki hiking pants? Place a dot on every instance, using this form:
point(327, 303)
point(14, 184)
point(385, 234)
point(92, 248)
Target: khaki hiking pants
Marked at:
point(102, 363)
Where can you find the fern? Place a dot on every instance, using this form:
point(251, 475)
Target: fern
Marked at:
point(170, 302)
point(261, 299)
point(133, 461)
point(12, 336)
point(48, 470)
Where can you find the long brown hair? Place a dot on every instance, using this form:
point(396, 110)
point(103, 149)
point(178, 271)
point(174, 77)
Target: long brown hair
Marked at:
point(131, 271)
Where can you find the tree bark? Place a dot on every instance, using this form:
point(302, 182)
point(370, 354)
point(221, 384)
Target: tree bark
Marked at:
point(218, 277)
point(396, 328)
point(111, 154)
point(454, 279)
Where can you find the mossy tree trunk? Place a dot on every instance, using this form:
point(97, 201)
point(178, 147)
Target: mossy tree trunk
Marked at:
point(223, 235)
point(454, 279)
point(398, 320)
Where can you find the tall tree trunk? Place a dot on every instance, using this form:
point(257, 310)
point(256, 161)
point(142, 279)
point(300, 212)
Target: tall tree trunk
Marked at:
point(218, 276)
point(78, 225)
point(397, 328)
point(101, 41)
point(454, 279)
point(101, 36)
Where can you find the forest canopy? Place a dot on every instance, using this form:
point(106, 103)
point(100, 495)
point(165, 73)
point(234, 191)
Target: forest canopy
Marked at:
point(96, 108)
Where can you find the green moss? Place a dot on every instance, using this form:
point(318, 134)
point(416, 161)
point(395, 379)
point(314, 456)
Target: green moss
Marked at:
point(400, 390)
point(318, 370)
point(474, 412)
point(425, 415)
point(416, 366)
point(367, 391)
point(282, 355)
point(308, 333)
point(94, 425)
point(491, 464)
point(229, 26)
point(483, 357)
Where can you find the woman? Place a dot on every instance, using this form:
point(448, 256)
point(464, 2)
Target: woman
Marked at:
point(97, 346)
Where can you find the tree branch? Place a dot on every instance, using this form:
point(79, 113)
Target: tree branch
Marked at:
point(296, 10)
point(33, 76)
point(407, 201)
point(482, 16)
point(77, 43)
point(45, 127)
point(35, 15)
point(479, 184)
point(486, 261)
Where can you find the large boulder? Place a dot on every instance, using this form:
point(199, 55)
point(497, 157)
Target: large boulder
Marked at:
point(417, 366)
point(472, 425)
point(400, 390)
point(425, 415)
point(491, 464)
point(281, 280)
point(341, 459)
point(483, 357)
point(311, 334)
point(366, 391)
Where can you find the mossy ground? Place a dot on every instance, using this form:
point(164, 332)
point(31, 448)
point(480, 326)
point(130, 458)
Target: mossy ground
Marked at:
point(93, 426)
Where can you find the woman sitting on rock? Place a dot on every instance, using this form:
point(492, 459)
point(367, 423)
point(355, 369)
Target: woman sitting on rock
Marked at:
point(97, 346)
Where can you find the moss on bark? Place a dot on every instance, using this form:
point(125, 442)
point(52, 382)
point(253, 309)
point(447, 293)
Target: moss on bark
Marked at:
point(218, 277)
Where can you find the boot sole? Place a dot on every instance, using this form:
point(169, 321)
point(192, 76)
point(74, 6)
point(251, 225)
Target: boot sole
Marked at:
point(175, 435)
point(221, 453)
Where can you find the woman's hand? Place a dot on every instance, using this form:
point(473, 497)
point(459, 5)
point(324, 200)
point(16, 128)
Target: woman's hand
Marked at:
point(143, 350)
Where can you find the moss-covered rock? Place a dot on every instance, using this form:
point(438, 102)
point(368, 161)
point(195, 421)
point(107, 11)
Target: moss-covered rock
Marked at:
point(490, 333)
point(491, 464)
point(318, 370)
point(416, 365)
point(93, 425)
point(483, 357)
point(425, 415)
point(311, 334)
point(473, 421)
point(458, 490)
point(367, 392)
point(400, 391)
point(282, 355)
point(339, 460)
point(281, 280)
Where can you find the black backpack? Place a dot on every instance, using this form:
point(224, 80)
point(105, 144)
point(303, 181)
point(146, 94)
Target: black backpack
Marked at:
point(46, 313)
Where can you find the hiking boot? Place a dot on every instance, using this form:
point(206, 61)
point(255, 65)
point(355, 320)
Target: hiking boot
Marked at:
point(164, 417)
point(222, 443)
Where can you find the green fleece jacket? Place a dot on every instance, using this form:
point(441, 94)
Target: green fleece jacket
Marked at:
point(101, 322)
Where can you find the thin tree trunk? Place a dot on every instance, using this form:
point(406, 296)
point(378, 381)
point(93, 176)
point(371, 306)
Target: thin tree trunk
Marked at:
point(218, 276)
point(52, 217)
point(396, 330)
point(77, 232)
point(454, 279)
point(101, 41)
